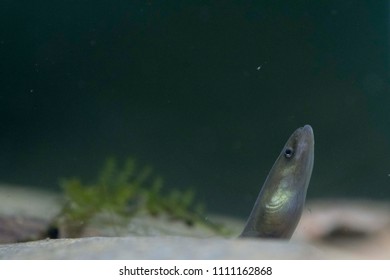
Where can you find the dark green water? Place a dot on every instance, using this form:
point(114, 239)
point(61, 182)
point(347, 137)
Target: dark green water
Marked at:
point(206, 92)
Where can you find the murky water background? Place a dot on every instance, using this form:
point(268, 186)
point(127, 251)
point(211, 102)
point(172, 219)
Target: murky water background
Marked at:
point(206, 93)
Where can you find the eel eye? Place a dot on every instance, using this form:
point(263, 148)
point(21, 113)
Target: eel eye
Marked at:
point(288, 152)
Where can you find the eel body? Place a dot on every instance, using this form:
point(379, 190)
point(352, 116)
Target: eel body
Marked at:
point(279, 206)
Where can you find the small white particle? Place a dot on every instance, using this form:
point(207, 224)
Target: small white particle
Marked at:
point(259, 67)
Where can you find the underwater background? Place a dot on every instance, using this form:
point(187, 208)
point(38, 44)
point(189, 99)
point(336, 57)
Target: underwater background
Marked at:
point(205, 92)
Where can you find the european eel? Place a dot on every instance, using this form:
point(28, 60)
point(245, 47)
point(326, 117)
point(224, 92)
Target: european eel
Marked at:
point(279, 205)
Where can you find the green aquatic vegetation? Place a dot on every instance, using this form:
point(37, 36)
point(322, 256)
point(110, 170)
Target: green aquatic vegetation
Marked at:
point(125, 192)
point(113, 191)
point(177, 204)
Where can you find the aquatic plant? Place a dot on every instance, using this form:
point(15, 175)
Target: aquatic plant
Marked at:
point(126, 191)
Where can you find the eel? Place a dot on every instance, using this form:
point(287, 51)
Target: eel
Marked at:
point(279, 205)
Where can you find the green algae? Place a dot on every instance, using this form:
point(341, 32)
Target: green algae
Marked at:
point(126, 191)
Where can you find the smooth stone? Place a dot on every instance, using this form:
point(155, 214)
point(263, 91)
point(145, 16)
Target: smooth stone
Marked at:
point(164, 247)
